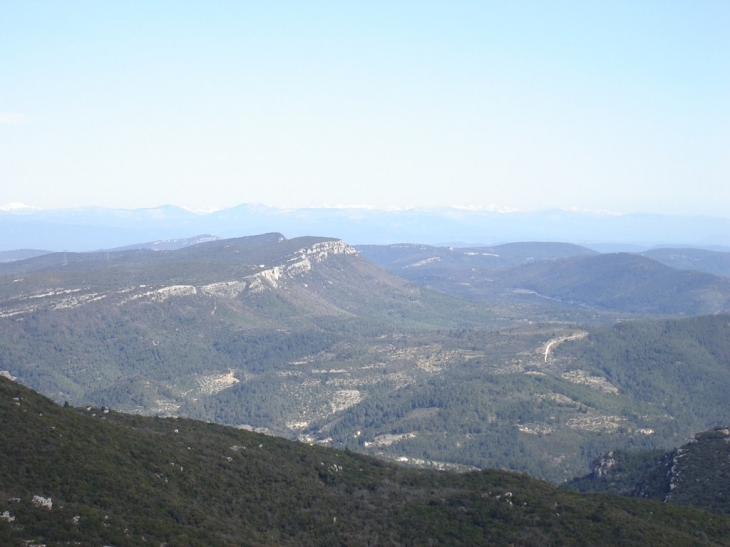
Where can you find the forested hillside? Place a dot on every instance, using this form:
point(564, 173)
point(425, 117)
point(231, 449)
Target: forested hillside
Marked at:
point(413, 261)
point(703, 260)
point(680, 367)
point(73, 324)
point(697, 474)
point(94, 477)
point(567, 278)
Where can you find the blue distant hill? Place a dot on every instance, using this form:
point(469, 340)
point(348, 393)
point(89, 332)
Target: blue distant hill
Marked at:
point(94, 228)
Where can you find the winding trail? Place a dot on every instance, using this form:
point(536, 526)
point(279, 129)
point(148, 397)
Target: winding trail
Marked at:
point(556, 341)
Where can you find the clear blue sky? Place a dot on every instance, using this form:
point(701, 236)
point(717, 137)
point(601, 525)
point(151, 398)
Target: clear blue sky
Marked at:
point(617, 106)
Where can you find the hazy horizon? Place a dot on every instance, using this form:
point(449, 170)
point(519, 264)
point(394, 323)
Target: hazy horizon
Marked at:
point(23, 207)
point(604, 107)
point(93, 228)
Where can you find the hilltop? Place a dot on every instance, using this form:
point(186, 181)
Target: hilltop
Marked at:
point(555, 279)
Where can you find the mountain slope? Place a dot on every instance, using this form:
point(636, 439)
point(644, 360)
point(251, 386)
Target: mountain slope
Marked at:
point(557, 276)
point(94, 477)
point(148, 330)
point(713, 262)
point(225, 269)
point(544, 399)
point(622, 282)
point(696, 474)
point(680, 366)
point(169, 244)
point(20, 254)
point(423, 262)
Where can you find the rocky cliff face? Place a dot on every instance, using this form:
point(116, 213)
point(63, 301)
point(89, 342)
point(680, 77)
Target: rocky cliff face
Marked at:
point(298, 263)
point(288, 266)
point(695, 474)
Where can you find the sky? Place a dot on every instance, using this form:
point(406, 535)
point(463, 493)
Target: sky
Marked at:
point(599, 106)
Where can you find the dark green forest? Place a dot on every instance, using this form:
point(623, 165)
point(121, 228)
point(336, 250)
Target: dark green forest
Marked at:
point(696, 474)
point(114, 479)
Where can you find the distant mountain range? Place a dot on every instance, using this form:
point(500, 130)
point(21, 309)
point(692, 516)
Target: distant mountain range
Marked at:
point(92, 228)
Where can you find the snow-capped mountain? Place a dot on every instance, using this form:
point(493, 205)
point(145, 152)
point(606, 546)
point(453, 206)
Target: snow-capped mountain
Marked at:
point(92, 228)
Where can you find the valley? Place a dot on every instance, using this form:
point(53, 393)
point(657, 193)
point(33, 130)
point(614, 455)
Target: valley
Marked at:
point(538, 364)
